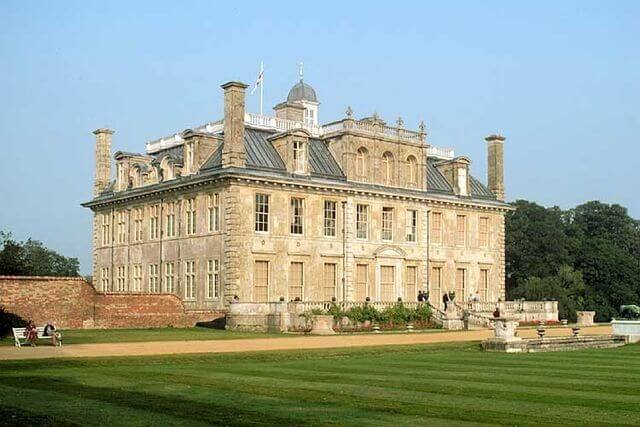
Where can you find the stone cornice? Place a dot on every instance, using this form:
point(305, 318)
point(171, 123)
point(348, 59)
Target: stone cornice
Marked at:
point(238, 175)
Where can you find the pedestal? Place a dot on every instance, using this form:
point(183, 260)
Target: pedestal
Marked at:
point(585, 318)
point(504, 337)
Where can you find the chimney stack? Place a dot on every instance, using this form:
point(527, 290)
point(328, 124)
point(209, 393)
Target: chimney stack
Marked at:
point(233, 152)
point(495, 170)
point(103, 160)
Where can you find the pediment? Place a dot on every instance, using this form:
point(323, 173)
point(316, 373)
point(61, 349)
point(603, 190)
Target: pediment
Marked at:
point(388, 251)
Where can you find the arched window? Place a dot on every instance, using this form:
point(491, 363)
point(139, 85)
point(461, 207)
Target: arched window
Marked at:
point(387, 167)
point(166, 165)
point(361, 162)
point(412, 171)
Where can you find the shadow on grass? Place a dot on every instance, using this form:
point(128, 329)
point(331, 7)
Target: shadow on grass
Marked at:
point(206, 412)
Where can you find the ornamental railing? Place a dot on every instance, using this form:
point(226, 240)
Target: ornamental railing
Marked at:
point(282, 125)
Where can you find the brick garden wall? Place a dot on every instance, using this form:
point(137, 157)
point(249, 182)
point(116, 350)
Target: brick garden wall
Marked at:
point(71, 302)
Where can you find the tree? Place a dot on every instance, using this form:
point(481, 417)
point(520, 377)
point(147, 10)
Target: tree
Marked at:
point(536, 244)
point(566, 286)
point(32, 258)
point(599, 241)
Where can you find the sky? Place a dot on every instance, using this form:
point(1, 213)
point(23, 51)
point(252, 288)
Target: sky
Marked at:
point(560, 80)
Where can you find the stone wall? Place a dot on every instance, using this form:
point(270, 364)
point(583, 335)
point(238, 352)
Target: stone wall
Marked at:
point(71, 302)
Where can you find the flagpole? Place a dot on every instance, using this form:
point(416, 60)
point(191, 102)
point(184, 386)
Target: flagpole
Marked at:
point(261, 85)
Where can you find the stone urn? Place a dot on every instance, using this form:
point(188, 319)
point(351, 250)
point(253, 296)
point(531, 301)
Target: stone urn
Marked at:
point(322, 324)
point(575, 330)
point(409, 327)
point(376, 329)
point(541, 331)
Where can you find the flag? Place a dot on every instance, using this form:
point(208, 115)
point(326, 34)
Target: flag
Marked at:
point(259, 79)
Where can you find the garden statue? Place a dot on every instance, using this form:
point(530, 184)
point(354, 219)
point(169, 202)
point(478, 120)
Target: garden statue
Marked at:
point(630, 311)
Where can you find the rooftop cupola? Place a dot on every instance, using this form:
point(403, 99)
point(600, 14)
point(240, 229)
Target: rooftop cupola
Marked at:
point(304, 95)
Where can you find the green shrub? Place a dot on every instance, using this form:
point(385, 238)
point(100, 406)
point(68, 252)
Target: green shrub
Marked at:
point(336, 311)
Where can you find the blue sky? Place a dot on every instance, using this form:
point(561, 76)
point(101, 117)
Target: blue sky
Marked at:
point(561, 80)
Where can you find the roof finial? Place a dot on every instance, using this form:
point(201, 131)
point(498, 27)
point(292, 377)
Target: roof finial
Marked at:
point(301, 68)
point(400, 122)
point(349, 112)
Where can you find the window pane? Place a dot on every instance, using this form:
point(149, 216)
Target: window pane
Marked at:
point(387, 283)
point(296, 280)
point(261, 281)
point(329, 287)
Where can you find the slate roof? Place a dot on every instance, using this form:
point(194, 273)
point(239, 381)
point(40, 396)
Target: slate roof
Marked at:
point(263, 158)
point(261, 155)
point(302, 92)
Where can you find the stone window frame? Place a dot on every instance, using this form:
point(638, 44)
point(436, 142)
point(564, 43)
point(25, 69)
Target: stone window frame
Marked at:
point(171, 226)
point(489, 269)
point(268, 278)
point(299, 156)
point(106, 229)
point(121, 278)
point(297, 216)
point(213, 212)
point(122, 226)
point(483, 242)
point(383, 284)
point(191, 219)
point(136, 277)
point(169, 277)
point(464, 268)
point(366, 222)
point(138, 218)
point(461, 242)
point(362, 163)
point(440, 267)
point(262, 217)
point(412, 171)
point(388, 167)
point(387, 224)
point(289, 280)
point(104, 279)
point(153, 278)
point(190, 272)
point(213, 279)
point(325, 219)
point(433, 232)
point(411, 225)
point(335, 279)
point(154, 221)
point(407, 267)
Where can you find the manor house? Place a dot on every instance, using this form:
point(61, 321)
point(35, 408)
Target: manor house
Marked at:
point(257, 208)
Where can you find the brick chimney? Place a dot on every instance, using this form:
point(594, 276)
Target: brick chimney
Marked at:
point(103, 160)
point(233, 152)
point(495, 169)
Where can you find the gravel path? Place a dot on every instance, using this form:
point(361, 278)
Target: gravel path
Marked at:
point(268, 344)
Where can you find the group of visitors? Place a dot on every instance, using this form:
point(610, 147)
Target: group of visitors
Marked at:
point(31, 333)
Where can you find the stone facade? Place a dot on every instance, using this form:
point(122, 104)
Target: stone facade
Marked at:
point(270, 209)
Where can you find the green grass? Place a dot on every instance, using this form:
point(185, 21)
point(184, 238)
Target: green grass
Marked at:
point(94, 336)
point(427, 384)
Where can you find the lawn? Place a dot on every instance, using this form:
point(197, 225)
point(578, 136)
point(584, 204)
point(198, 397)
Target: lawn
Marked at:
point(94, 336)
point(428, 384)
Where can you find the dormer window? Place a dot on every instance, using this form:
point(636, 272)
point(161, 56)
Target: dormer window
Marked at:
point(299, 157)
point(121, 176)
point(189, 157)
point(462, 182)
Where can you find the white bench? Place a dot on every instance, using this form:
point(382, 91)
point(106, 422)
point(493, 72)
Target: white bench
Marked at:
point(18, 334)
